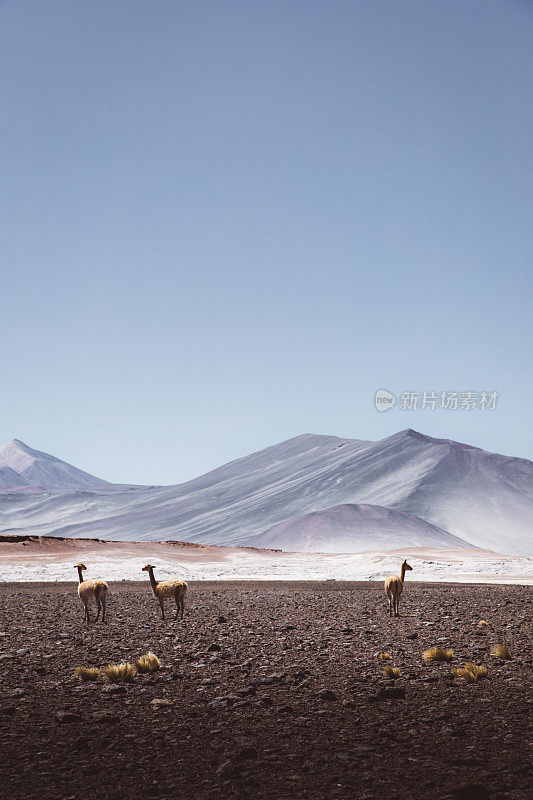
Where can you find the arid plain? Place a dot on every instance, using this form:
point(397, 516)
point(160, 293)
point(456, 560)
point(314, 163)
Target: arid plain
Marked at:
point(267, 690)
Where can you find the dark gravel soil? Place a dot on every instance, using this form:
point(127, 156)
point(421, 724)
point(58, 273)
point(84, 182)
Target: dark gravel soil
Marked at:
point(266, 690)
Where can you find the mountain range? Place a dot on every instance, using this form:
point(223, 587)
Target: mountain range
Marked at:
point(312, 492)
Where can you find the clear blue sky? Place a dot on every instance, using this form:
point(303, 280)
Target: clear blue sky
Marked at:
point(228, 223)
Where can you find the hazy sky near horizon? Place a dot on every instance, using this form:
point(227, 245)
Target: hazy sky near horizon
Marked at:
point(225, 224)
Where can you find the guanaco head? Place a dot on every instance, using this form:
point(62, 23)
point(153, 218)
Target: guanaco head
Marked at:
point(148, 567)
point(405, 566)
point(80, 566)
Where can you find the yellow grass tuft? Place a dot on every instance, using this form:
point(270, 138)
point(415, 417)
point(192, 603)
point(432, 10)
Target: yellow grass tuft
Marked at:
point(87, 673)
point(383, 656)
point(470, 673)
point(437, 654)
point(465, 674)
point(391, 672)
point(478, 671)
point(119, 673)
point(149, 662)
point(482, 623)
point(501, 651)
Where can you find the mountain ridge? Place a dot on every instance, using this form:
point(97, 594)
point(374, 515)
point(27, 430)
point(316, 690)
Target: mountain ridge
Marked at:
point(482, 498)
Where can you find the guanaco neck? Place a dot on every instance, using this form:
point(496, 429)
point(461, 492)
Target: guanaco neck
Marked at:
point(80, 574)
point(152, 580)
point(403, 573)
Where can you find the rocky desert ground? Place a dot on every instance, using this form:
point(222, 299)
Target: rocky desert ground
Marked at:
point(266, 690)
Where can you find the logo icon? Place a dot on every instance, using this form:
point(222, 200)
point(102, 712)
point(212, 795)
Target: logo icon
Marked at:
point(384, 400)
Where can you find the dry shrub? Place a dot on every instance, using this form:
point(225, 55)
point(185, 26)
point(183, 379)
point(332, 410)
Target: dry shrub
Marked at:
point(482, 623)
point(470, 673)
point(87, 673)
point(437, 654)
point(391, 672)
point(478, 670)
point(383, 656)
point(149, 662)
point(119, 673)
point(501, 651)
point(467, 676)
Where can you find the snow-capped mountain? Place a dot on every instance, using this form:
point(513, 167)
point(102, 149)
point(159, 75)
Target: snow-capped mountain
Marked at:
point(23, 467)
point(482, 498)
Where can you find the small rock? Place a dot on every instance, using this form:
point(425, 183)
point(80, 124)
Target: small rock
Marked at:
point(160, 702)
point(225, 700)
point(390, 693)
point(222, 619)
point(228, 769)
point(107, 717)
point(413, 635)
point(466, 761)
point(245, 691)
point(81, 742)
point(327, 694)
point(214, 648)
point(300, 674)
point(345, 758)
point(286, 709)
point(470, 791)
point(68, 716)
point(246, 753)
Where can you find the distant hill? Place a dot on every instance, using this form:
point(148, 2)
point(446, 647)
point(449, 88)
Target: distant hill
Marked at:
point(21, 467)
point(481, 498)
point(355, 528)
